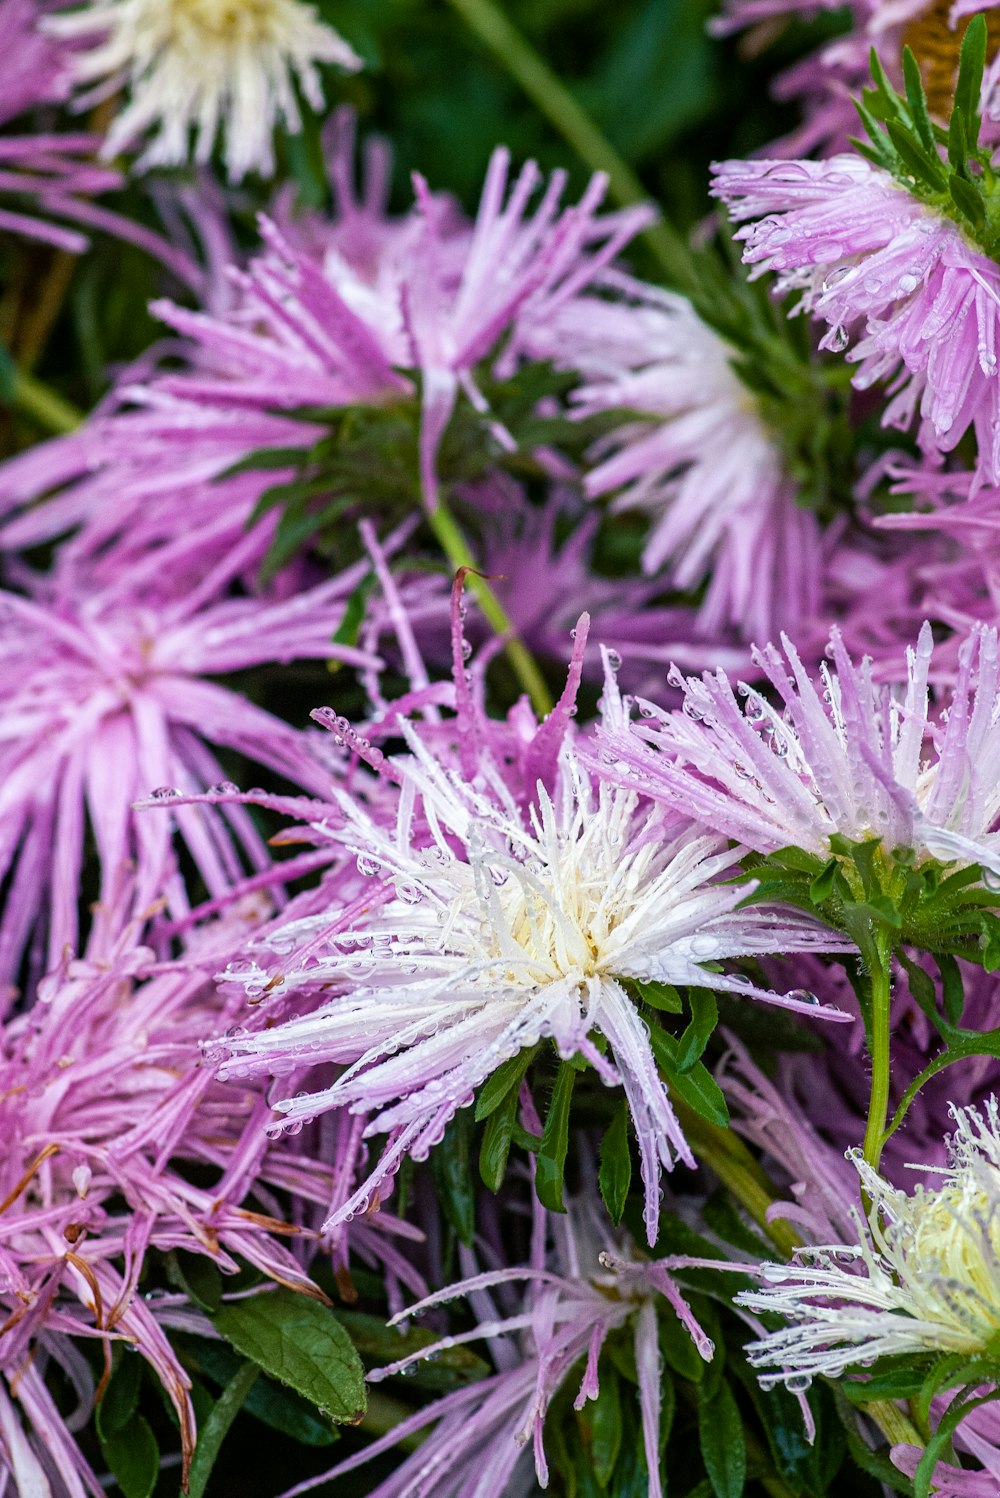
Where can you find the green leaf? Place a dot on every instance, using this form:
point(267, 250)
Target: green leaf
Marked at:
point(968, 199)
point(990, 941)
point(615, 1174)
point(876, 1463)
point(822, 886)
point(661, 996)
point(267, 1401)
point(551, 1157)
point(354, 612)
point(216, 1427)
point(121, 1396)
point(969, 85)
point(602, 1422)
point(450, 1168)
point(134, 1457)
point(197, 1277)
point(497, 1136)
point(952, 987)
point(506, 1079)
point(958, 146)
point(723, 1448)
point(917, 101)
point(924, 166)
point(453, 1366)
point(696, 1086)
point(300, 1343)
point(704, 1018)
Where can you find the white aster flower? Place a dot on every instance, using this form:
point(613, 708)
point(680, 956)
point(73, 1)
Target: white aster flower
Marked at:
point(206, 64)
point(924, 1276)
point(500, 926)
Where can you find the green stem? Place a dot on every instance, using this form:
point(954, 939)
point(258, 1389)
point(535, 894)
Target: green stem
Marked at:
point(47, 409)
point(456, 549)
point(878, 1041)
point(726, 1154)
point(533, 73)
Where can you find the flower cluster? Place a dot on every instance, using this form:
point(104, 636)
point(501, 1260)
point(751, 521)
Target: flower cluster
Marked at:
point(499, 762)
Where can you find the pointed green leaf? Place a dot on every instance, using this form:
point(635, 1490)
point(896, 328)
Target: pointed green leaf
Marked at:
point(505, 1079)
point(134, 1457)
point(661, 996)
point(497, 1137)
point(723, 1447)
point(971, 65)
point(453, 1179)
point(300, 1343)
point(615, 1174)
point(917, 100)
point(215, 1429)
point(924, 166)
point(551, 1157)
point(958, 146)
point(704, 1018)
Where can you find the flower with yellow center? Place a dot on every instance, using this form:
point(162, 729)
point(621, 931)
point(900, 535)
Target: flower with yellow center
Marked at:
point(485, 922)
point(210, 65)
point(923, 1277)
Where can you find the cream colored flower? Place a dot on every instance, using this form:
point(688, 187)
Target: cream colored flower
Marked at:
point(210, 65)
point(924, 1276)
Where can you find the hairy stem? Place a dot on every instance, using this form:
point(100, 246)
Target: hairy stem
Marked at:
point(554, 100)
point(878, 1040)
point(456, 549)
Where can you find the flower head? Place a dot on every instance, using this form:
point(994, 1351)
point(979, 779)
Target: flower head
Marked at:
point(924, 1276)
point(516, 896)
point(845, 756)
point(205, 65)
point(105, 701)
point(900, 283)
point(575, 1297)
point(695, 455)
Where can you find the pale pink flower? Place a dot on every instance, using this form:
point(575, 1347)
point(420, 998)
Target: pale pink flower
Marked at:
point(844, 755)
point(903, 290)
point(695, 455)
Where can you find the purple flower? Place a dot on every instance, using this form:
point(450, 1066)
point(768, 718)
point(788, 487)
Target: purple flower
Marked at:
point(105, 701)
point(845, 756)
point(697, 457)
point(312, 328)
point(574, 1297)
point(106, 1117)
point(899, 284)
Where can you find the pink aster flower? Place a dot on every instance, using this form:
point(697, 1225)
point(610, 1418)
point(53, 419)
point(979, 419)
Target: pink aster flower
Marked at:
point(106, 1117)
point(696, 457)
point(899, 284)
point(105, 700)
point(574, 1297)
point(844, 756)
point(309, 330)
point(509, 893)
